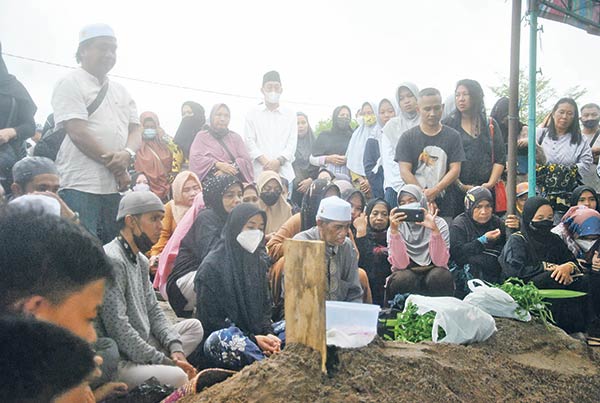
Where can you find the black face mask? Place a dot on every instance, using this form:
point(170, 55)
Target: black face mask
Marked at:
point(542, 226)
point(270, 198)
point(342, 123)
point(143, 241)
point(590, 124)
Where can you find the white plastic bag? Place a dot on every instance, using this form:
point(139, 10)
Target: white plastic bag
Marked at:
point(495, 301)
point(462, 322)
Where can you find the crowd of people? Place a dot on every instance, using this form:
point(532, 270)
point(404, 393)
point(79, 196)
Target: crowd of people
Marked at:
point(104, 214)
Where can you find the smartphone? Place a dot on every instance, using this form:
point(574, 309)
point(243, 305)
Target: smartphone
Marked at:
point(412, 214)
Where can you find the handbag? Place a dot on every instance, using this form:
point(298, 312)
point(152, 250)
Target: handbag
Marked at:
point(501, 205)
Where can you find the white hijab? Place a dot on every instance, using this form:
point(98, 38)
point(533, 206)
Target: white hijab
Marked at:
point(358, 142)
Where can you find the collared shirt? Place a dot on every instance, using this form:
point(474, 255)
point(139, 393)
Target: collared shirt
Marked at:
point(108, 125)
point(562, 151)
point(591, 178)
point(272, 134)
point(342, 268)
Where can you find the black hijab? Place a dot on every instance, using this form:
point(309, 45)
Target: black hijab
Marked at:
point(474, 229)
point(334, 141)
point(379, 236)
point(239, 278)
point(213, 190)
point(577, 194)
point(304, 147)
point(311, 201)
point(189, 127)
point(10, 86)
point(544, 246)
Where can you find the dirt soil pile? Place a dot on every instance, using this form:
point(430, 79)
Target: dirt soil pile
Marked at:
point(522, 362)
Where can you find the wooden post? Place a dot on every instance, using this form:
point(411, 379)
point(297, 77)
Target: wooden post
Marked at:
point(305, 283)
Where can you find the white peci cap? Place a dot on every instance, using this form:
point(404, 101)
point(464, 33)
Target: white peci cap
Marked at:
point(95, 31)
point(334, 209)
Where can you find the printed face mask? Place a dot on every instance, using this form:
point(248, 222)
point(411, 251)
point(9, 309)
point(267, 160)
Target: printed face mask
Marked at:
point(249, 240)
point(370, 120)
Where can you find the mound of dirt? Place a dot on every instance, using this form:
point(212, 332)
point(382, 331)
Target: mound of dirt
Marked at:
point(522, 362)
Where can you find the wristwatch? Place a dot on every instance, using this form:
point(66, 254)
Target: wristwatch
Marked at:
point(131, 153)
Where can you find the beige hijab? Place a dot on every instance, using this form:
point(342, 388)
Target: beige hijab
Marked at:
point(278, 213)
point(178, 205)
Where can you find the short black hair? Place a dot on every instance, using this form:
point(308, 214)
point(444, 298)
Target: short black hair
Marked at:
point(429, 92)
point(47, 256)
point(40, 361)
point(590, 105)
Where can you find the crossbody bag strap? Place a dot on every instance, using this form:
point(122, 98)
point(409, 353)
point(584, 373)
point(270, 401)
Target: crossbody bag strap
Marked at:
point(492, 140)
point(220, 140)
point(595, 138)
point(99, 98)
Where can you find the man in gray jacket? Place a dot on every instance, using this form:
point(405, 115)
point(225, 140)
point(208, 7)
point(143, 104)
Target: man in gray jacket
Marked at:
point(130, 315)
point(333, 221)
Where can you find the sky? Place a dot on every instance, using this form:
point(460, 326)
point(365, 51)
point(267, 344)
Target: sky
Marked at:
point(327, 52)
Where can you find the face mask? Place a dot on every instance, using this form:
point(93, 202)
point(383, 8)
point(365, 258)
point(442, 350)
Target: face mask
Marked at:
point(270, 198)
point(542, 226)
point(343, 123)
point(143, 241)
point(413, 205)
point(272, 97)
point(141, 187)
point(249, 240)
point(370, 120)
point(590, 124)
point(585, 244)
point(149, 134)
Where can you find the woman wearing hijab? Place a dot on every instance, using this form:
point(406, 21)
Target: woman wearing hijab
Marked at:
point(482, 140)
point(234, 305)
point(186, 187)
point(329, 150)
point(536, 254)
point(406, 99)
point(368, 127)
point(218, 150)
point(358, 201)
point(580, 229)
point(154, 158)
point(372, 157)
point(304, 171)
point(419, 251)
point(17, 124)
point(167, 257)
point(371, 240)
point(193, 120)
point(477, 237)
point(272, 201)
point(221, 194)
point(585, 196)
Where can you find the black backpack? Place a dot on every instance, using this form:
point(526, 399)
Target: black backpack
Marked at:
point(53, 137)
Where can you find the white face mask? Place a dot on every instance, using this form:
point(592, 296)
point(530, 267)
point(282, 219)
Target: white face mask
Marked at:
point(250, 239)
point(413, 205)
point(585, 244)
point(141, 187)
point(272, 97)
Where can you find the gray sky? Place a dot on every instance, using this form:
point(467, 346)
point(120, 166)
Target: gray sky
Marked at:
point(328, 52)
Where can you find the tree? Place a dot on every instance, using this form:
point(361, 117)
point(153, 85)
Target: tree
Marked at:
point(546, 95)
point(325, 125)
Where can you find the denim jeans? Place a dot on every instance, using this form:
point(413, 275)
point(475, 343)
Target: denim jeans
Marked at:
point(97, 212)
point(391, 197)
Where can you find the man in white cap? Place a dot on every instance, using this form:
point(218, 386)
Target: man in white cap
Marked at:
point(99, 146)
point(130, 315)
point(333, 221)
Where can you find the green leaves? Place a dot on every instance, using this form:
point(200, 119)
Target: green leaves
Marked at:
point(529, 298)
point(411, 327)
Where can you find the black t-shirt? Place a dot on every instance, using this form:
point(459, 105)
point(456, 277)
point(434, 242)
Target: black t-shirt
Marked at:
point(430, 156)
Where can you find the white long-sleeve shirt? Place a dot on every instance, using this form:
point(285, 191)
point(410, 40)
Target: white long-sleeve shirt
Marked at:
point(272, 134)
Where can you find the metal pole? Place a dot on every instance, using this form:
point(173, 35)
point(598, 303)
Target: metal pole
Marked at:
point(533, 28)
point(513, 109)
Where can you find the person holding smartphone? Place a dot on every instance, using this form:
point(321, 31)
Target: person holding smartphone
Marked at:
point(418, 250)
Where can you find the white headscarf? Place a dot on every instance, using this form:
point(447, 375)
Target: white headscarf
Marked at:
point(358, 142)
point(37, 203)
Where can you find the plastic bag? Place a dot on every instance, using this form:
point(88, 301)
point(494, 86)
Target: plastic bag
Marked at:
point(462, 322)
point(495, 301)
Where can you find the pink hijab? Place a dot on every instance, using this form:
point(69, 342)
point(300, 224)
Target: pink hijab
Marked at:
point(169, 253)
